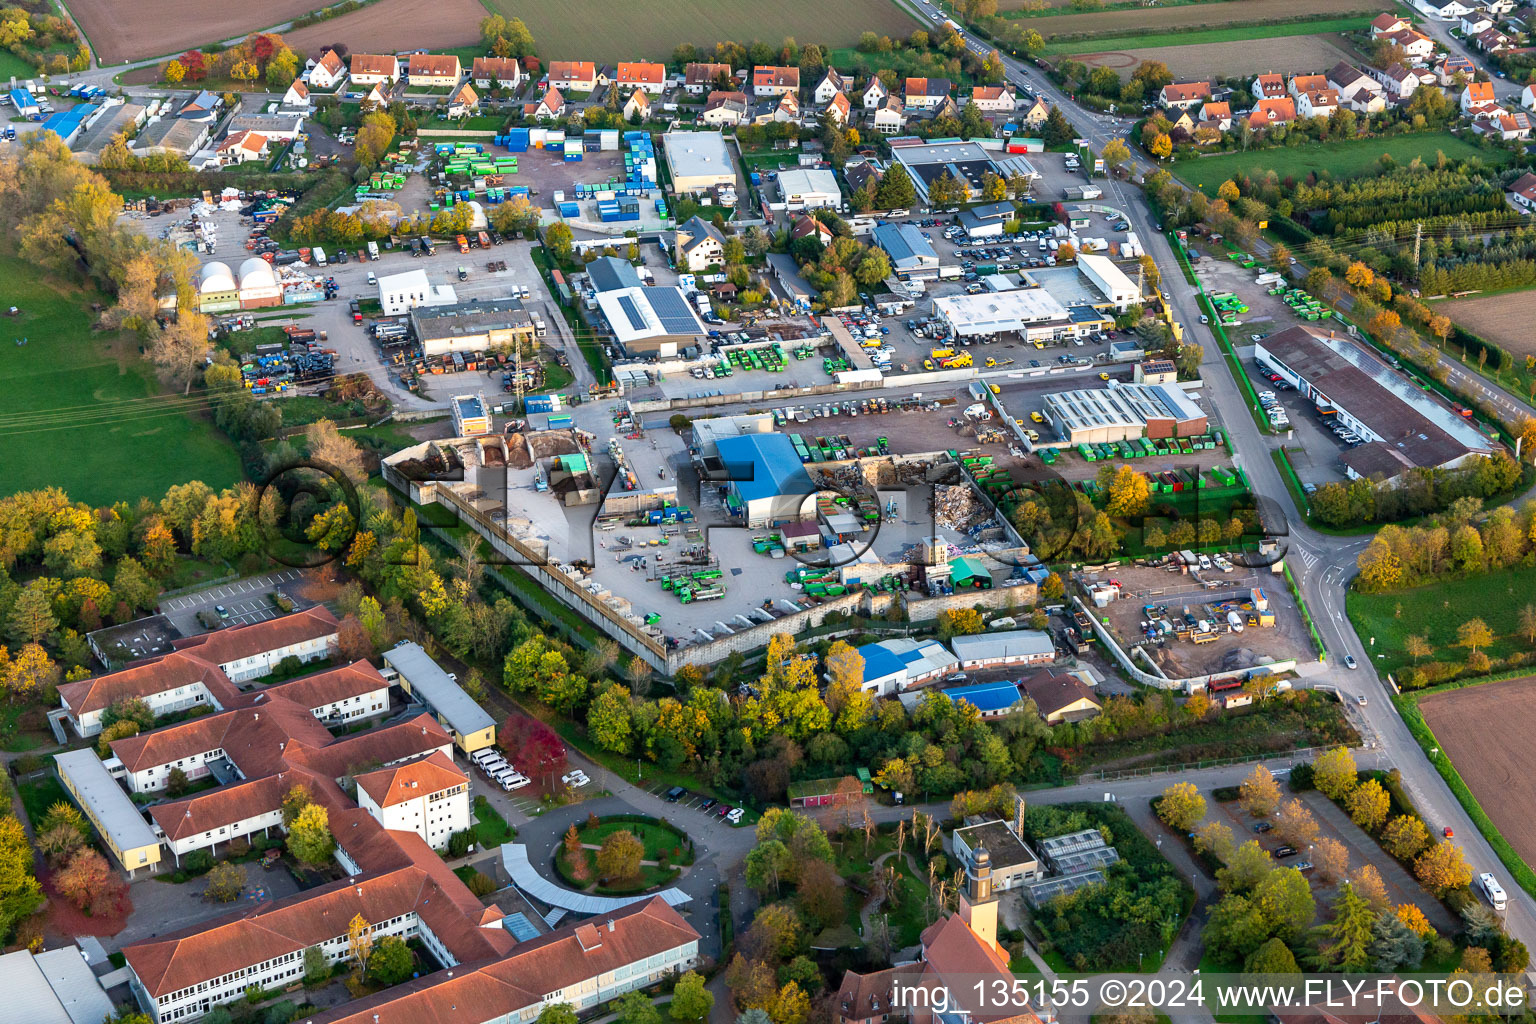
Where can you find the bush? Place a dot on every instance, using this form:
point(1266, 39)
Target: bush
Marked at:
point(1226, 794)
point(481, 884)
point(460, 842)
point(1301, 778)
point(197, 862)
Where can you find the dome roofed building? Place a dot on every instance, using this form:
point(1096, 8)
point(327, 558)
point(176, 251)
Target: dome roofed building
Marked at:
point(216, 289)
point(258, 285)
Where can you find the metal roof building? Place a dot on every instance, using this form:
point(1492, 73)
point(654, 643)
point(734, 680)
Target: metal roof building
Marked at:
point(514, 857)
point(476, 326)
point(107, 805)
point(1013, 647)
point(1030, 312)
point(768, 482)
point(698, 161)
point(651, 321)
point(609, 273)
point(808, 189)
point(927, 161)
point(991, 699)
point(909, 250)
point(891, 666)
point(54, 987)
point(1123, 412)
point(471, 725)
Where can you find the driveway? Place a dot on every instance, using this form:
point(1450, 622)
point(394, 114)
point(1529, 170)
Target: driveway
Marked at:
point(247, 601)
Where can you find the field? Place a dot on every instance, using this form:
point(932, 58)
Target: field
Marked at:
point(1504, 319)
point(1499, 766)
point(593, 30)
point(1341, 159)
point(86, 414)
point(1436, 611)
point(1286, 55)
point(122, 30)
point(1138, 20)
point(381, 27)
point(1203, 38)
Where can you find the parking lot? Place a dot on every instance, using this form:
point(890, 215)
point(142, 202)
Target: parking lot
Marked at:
point(705, 807)
point(245, 601)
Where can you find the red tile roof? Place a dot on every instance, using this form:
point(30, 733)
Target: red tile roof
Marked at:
point(768, 75)
point(435, 65)
point(225, 646)
point(169, 672)
point(432, 774)
point(331, 61)
point(1179, 92)
point(396, 742)
point(207, 812)
point(501, 69)
point(571, 71)
point(705, 74)
point(374, 64)
point(253, 737)
point(640, 73)
point(333, 685)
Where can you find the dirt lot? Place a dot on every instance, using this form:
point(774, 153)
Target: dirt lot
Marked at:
point(121, 30)
point(1286, 55)
point(1490, 744)
point(1502, 319)
point(386, 26)
point(1168, 19)
point(1287, 639)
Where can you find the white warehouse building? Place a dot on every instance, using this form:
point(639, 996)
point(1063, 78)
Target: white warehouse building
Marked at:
point(809, 189)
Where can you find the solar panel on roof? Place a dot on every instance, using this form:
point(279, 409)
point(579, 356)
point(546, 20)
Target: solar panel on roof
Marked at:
point(673, 311)
point(636, 320)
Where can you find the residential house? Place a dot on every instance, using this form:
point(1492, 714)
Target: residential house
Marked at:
point(572, 76)
point(463, 102)
point(1037, 113)
point(833, 83)
point(699, 245)
point(1268, 87)
point(641, 75)
point(787, 110)
point(925, 93)
point(1455, 65)
point(890, 117)
point(1415, 44)
point(808, 226)
point(1357, 90)
point(1217, 115)
point(1476, 96)
point(699, 78)
point(374, 69)
point(1306, 83)
point(1321, 103)
point(946, 107)
point(1474, 22)
point(297, 96)
point(551, 106)
point(1268, 113)
point(769, 80)
point(994, 99)
point(1443, 10)
point(433, 70)
point(1522, 191)
point(242, 146)
point(840, 109)
point(1397, 80)
point(726, 109)
point(1385, 23)
point(1179, 95)
point(377, 98)
point(1179, 121)
point(639, 104)
point(874, 94)
point(1493, 41)
point(1060, 698)
point(1528, 97)
point(497, 72)
point(873, 998)
point(861, 172)
point(202, 107)
point(328, 72)
point(1503, 123)
point(1500, 7)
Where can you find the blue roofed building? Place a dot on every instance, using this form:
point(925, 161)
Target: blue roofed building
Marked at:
point(66, 124)
point(892, 666)
point(910, 251)
point(766, 483)
point(24, 102)
point(991, 699)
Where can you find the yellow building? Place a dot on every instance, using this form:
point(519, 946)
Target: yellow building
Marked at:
point(471, 727)
point(108, 807)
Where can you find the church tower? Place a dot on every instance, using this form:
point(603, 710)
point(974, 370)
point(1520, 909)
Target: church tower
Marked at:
point(978, 907)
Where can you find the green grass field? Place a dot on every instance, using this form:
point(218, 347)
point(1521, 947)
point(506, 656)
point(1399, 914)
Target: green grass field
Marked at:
point(652, 28)
point(1230, 34)
point(1437, 610)
point(84, 412)
point(10, 65)
point(1345, 159)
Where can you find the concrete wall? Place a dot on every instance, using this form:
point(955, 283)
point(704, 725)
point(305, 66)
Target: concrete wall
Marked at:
point(921, 609)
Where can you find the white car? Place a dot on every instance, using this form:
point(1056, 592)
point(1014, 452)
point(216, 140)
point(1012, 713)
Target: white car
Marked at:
point(577, 779)
point(735, 816)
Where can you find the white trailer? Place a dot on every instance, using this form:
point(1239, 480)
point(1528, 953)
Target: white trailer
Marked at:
point(1492, 889)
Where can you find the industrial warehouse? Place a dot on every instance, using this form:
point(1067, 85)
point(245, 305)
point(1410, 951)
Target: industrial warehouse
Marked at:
point(966, 162)
point(1123, 413)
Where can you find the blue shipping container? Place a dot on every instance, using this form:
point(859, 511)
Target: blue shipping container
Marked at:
point(538, 403)
point(560, 422)
point(570, 210)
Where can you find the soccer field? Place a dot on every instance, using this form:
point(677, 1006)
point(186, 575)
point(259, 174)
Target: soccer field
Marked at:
point(597, 30)
point(85, 413)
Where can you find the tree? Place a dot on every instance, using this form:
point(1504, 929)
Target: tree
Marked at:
point(1346, 940)
point(174, 71)
point(1273, 957)
point(1359, 275)
point(1334, 773)
point(1285, 897)
point(89, 883)
point(1295, 824)
point(960, 622)
point(1414, 918)
point(392, 961)
point(1182, 806)
point(1417, 647)
point(618, 859)
point(1228, 191)
point(1368, 805)
point(1527, 620)
point(993, 188)
point(316, 967)
point(822, 896)
point(691, 1001)
point(1474, 634)
point(1331, 858)
point(107, 736)
point(295, 800)
point(1160, 147)
point(1057, 130)
point(176, 782)
point(636, 1008)
point(1405, 836)
point(557, 239)
point(776, 933)
point(225, 882)
point(557, 1013)
point(896, 190)
point(32, 619)
point(1260, 793)
point(1442, 868)
point(360, 941)
point(609, 719)
point(1130, 493)
point(309, 837)
point(1367, 882)
point(327, 444)
point(1116, 153)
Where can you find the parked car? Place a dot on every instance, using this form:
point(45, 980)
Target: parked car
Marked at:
point(735, 816)
point(1360, 700)
point(1263, 826)
point(675, 794)
point(707, 804)
point(1450, 833)
point(1284, 852)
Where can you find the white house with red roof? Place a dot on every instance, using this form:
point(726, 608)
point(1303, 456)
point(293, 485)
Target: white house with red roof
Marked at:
point(328, 72)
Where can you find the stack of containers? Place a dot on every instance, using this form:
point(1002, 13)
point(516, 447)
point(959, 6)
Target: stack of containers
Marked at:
point(573, 150)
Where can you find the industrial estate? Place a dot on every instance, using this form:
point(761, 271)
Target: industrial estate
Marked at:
point(764, 512)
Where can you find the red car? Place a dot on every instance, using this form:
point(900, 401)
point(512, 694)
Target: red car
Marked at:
point(1449, 834)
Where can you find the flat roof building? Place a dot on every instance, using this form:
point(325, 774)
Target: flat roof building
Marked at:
point(116, 646)
point(109, 808)
point(1403, 427)
point(699, 161)
point(926, 162)
point(1010, 647)
point(478, 326)
point(910, 251)
point(470, 725)
point(471, 415)
point(809, 189)
point(1013, 862)
point(1119, 290)
point(1029, 312)
point(658, 322)
point(1123, 413)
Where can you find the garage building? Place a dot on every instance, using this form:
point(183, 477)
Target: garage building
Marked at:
point(809, 189)
point(910, 251)
point(767, 483)
point(498, 324)
point(1123, 413)
point(652, 322)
